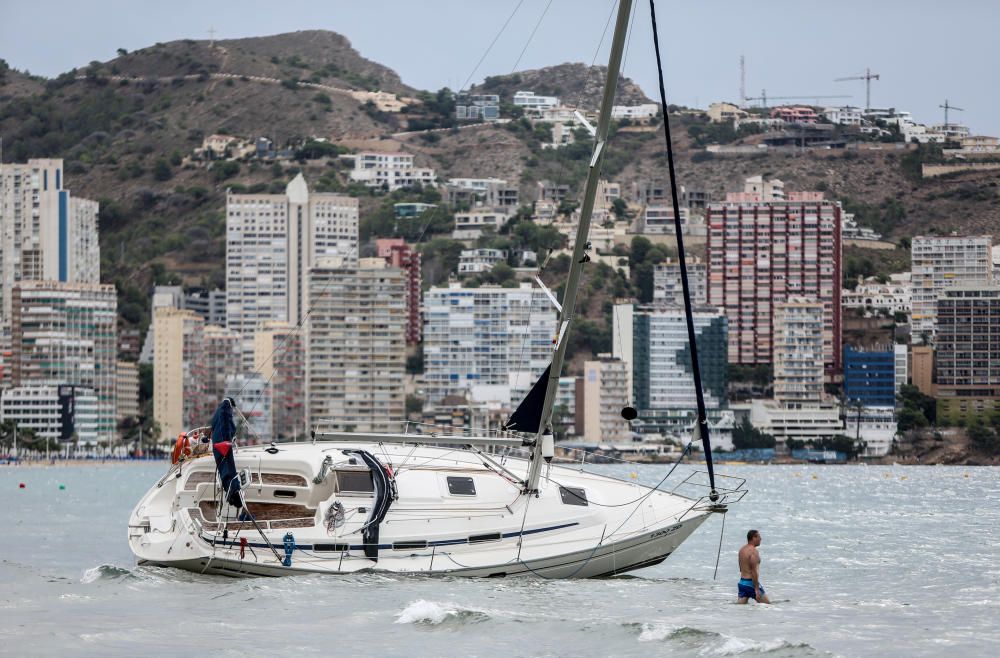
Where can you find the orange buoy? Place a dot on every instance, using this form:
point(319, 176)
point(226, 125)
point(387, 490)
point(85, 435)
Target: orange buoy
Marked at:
point(182, 448)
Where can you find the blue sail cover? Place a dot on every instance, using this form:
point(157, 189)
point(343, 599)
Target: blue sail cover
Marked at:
point(223, 423)
point(223, 431)
point(225, 463)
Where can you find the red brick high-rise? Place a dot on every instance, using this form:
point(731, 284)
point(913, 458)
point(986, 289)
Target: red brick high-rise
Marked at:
point(399, 254)
point(761, 251)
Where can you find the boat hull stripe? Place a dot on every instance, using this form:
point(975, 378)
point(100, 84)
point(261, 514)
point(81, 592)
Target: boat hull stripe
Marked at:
point(359, 547)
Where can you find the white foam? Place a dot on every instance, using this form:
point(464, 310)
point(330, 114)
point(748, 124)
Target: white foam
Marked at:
point(735, 646)
point(91, 575)
point(656, 632)
point(426, 611)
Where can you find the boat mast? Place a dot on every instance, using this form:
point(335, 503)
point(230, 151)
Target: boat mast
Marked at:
point(701, 427)
point(580, 246)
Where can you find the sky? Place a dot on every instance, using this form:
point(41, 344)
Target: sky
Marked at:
point(925, 52)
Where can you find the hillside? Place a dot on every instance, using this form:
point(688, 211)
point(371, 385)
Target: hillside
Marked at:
point(14, 84)
point(576, 85)
point(125, 128)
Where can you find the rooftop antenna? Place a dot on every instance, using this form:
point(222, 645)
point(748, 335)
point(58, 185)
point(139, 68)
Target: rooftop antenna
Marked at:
point(947, 107)
point(867, 77)
point(743, 82)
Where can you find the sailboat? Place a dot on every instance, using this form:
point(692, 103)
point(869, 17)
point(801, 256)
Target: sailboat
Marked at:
point(496, 504)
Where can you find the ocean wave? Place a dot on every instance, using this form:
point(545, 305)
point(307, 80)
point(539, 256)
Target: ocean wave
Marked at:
point(105, 572)
point(736, 646)
point(660, 632)
point(710, 643)
point(432, 613)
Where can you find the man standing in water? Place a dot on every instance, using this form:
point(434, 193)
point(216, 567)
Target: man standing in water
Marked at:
point(750, 587)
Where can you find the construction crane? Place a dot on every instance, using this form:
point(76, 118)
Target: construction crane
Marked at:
point(947, 107)
point(763, 97)
point(867, 77)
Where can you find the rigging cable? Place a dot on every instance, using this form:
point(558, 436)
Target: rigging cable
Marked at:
point(563, 165)
point(531, 36)
point(719, 552)
point(702, 424)
point(600, 43)
point(490, 47)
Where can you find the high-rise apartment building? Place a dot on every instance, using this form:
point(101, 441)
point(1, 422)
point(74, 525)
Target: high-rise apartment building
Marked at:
point(179, 371)
point(870, 377)
point(356, 346)
point(223, 357)
point(605, 382)
point(209, 304)
point(67, 333)
point(798, 351)
point(901, 360)
point(272, 240)
point(253, 396)
point(279, 357)
point(967, 351)
point(653, 342)
point(477, 336)
point(45, 232)
point(940, 262)
point(667, 287)
point(763, 252)
point(398, 254)
point(127, 390)
point(56, 412)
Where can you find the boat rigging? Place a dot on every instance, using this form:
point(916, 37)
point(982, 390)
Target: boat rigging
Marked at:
point(347, 502)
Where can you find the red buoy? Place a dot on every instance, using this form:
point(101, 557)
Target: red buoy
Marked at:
point(21, 486)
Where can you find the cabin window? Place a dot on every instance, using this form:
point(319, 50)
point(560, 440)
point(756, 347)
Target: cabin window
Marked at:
point(355, 481)
point(410, 545)
point(478, 539)
point(284, 493)
point(461, 486)
point(573, 496)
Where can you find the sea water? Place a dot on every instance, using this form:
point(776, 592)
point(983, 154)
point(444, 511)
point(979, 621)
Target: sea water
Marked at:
point(860, 561)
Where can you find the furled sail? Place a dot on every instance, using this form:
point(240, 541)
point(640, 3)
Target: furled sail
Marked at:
point(527, 417)
point(385, 493)
point(223, 423)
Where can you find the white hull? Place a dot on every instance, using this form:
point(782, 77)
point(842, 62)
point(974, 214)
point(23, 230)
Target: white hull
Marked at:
point(430, 529)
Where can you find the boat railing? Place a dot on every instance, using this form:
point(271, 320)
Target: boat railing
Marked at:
point(423, 431)
point(728, 489)
point(624, 469)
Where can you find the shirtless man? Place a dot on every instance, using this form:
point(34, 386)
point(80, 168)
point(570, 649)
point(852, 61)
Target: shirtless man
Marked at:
point(750, 587)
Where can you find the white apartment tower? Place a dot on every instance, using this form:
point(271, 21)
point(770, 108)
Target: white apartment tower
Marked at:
point(356, 346)
point(798, 351)
point(272, 240)
point(477, 336)
point(45, 233)
point(67, 334)
point(939, 263)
